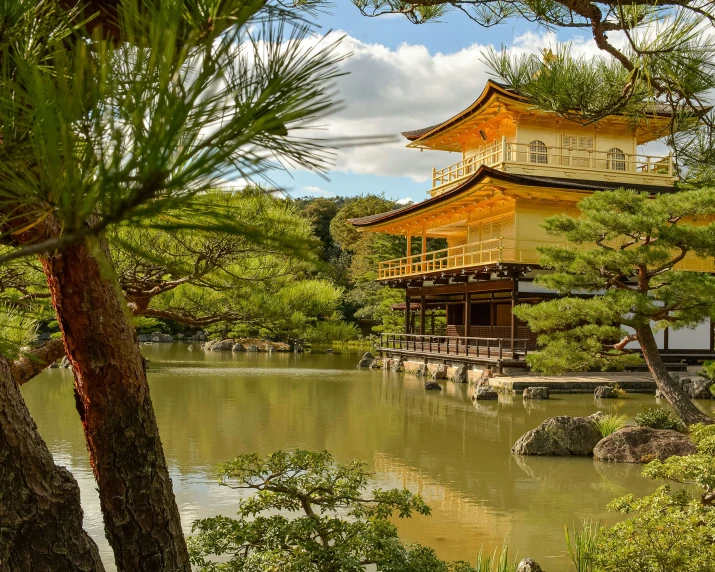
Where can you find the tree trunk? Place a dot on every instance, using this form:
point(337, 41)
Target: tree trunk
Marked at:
point(40, 510)
point(34, 361)
point(140, 513)
point(681, 403)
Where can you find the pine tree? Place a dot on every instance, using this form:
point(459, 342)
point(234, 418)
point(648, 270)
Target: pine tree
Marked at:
point(626, 251)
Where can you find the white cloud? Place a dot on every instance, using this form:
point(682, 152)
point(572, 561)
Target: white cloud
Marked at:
point(313, 190)
point(388, 91)
point(405, 201)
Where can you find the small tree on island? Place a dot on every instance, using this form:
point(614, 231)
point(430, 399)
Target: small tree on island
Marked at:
point(311, 513)
point(620, 270)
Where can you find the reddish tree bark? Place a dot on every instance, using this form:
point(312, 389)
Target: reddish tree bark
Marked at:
point(140, 513)
point(40, 511)
point(34, 361)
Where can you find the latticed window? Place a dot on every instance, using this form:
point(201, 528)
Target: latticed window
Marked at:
point(538, 152)
point(616, 159)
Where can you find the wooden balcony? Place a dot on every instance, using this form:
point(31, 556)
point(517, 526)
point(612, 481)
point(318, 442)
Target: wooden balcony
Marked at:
point(464, 256)
point(559, 162)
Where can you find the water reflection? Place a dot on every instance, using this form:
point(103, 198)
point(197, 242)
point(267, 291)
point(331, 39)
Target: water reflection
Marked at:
point(211, 407)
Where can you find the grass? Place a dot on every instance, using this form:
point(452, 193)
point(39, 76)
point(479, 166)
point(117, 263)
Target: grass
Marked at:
point(582, 545)
point(494, 563)
point(611, 423)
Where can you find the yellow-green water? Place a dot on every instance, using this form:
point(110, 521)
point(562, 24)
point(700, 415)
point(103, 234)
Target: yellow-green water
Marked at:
point(213, 406)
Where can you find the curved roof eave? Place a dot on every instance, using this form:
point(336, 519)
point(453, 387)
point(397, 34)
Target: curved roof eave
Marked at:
point(482, 172)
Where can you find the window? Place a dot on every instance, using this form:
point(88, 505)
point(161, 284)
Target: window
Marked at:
point(616, 159)
point(538, 152)
point(577, 150)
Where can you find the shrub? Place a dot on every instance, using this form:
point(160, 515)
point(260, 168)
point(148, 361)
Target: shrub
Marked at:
point(611, 423)
point(494, 563)
point(658, 418)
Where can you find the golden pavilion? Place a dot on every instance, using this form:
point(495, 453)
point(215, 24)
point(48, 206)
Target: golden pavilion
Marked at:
point(518, 165)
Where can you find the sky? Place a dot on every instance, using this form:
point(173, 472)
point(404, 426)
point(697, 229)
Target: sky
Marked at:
point(402, 76)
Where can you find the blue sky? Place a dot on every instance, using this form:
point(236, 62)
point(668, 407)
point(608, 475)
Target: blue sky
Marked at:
point(403, 76)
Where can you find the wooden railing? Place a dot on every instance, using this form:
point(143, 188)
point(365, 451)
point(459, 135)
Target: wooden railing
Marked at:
point(463, 256)
point(489, 348)
point(506, 152)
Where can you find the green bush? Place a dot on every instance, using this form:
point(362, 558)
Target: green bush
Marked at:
point(611, 423)
point(658, 418)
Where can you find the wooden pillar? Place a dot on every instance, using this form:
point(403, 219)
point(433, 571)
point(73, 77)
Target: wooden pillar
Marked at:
point(432, 324)
point(465, 321)
point(492, 316)
point(422, 315)
point(424, 249)
point(665, 339)
point(407, 312)
point(409, 253)
point(514, 302)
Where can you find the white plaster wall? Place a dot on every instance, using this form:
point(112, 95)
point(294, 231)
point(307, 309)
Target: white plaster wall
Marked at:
point(696, 339)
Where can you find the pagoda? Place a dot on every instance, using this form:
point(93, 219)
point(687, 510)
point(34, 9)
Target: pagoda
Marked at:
point(518, 165)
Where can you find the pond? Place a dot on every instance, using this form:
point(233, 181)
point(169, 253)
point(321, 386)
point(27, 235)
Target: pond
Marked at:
point(213, 406)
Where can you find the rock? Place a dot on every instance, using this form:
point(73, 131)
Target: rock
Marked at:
point(54, 365)
point(605, 392)
point(536, 393)
point(560, 436)
point(270, 348)
point(642, 444)
point(144, 338)
point(220, 346)
point(376, 364)
point(65, 362)
point(238, 348)
point(484, 393)
point(460, 374)
point(328, 351)
point(366, 360)
point(158, 337)
point(440, 372)
point(697, 388)
point(422, 370)
point(190, 348)
point(179, 336)
point(252, 348)
point(433, 386)
point(43, 337)
point(397, 365)
point(528, 565)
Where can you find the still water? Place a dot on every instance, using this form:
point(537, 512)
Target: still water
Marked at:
point(213, 406)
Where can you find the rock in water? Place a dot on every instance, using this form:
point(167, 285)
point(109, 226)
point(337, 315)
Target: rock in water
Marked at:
point(528, 565)
point(190, 348)
point(536, 393)
point(238, 348)
point(482, 393)
point(221, 346)
point(65, 362)
point(397, 365)
point(433, 386)
point(252, 348)
point(642, 444)
point(560, 436)
point(605, 392)
point(366, 360)
point(460, 374)
point(440, 372)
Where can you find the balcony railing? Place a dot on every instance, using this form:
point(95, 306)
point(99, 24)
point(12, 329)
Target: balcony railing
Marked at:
point(485, 348)
point(463, 256)
point(560, 157)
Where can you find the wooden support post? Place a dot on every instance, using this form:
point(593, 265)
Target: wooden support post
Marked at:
point(424, 249)
point(514, 302)
point(409, 253)
point(432, 324)
point(422, 315)
point(407, 312)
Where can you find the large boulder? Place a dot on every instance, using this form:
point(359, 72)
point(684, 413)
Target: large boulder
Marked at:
point(238, 347)
point(433, 386)
point(560, 436)
point(482, 393)
point(528, 565)
point(366, 360)
point(460, 374)
point(158, 337)
point(605, 392)
point(144, 337)
point(536, 393)
point(697, 388)
point(439, 372)
point(252, 348)
point(642, 444)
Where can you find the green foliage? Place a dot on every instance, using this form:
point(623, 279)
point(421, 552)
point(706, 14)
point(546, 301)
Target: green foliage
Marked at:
point(658, 418)
point(611, 423)
point(581, 545)
point(145, 325)
point(496, 562)
point(121, 132)
point(17, 330)
point(666, 532)
point(310, 513)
